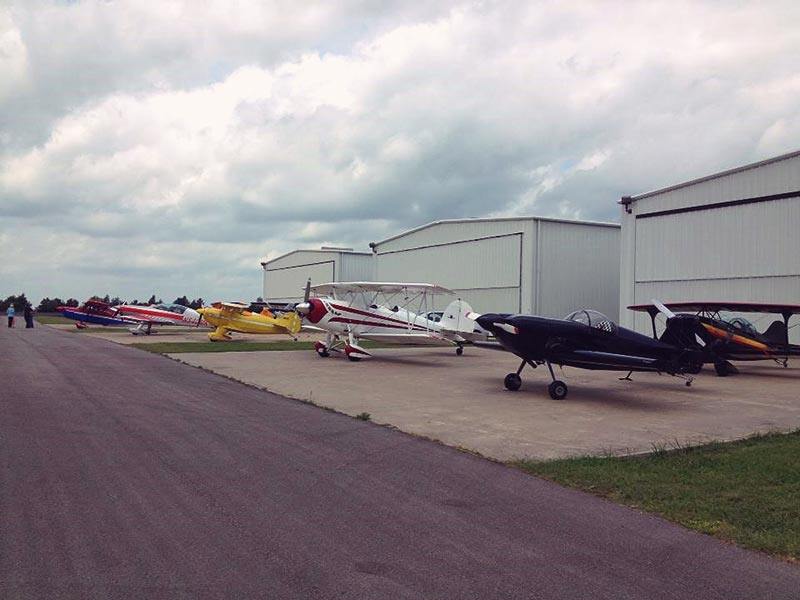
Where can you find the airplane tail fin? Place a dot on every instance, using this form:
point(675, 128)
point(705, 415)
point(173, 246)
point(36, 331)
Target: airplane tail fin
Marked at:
point(776, 333)
point(455, 317)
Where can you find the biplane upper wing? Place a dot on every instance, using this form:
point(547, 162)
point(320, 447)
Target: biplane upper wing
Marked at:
point(233, 307)
point(374, 286)
point(742, 307)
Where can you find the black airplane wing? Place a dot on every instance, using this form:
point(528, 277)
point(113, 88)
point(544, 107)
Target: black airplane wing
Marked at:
point(613, 360)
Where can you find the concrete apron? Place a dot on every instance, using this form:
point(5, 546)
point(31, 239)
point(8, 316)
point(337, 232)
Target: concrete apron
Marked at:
point(461, 401)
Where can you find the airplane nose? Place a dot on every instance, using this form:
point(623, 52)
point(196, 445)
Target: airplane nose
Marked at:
point(192, 316)
point(303, 308)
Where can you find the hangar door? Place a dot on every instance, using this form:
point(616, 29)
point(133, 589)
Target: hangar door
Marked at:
point(717, 252)
point(287, 283)
point(486, 272)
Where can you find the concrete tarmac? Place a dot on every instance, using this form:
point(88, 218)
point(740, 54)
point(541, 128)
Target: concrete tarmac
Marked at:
point(124, 474)
point(460, 400)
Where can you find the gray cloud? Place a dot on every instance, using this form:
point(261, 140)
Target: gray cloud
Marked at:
point(167, 146)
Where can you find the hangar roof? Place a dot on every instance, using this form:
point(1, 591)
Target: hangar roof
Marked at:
point(493, 219)
point(755, 165)
point(314, 250)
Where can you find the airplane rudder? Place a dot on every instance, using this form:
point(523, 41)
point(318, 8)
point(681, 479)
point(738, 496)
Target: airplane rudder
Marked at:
point(455, 317)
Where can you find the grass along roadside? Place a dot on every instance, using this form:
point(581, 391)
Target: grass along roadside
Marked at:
point(52, 320)
point(747, 492)
point(233, 346)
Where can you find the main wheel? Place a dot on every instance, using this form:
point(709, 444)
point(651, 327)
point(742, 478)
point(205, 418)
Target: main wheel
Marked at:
point(323, 352)
point(459, 351)
point(353, 358)
point(724, 368)
point(558, 390)
point(512, 382)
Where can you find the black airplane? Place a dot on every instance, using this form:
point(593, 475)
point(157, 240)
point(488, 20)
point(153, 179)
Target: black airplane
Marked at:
point(735, 338)
point(588, 339)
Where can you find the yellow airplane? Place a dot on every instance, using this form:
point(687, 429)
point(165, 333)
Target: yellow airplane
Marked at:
point(232, 316)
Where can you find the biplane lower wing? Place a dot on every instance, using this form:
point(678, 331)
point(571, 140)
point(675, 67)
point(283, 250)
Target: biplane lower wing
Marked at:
point(407, 339)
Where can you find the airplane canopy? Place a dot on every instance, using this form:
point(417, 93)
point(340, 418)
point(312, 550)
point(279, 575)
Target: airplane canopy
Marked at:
point(178, 309)
point(593, 319)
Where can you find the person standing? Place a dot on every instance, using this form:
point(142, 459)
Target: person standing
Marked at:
point(28, 316)
point(10, 312)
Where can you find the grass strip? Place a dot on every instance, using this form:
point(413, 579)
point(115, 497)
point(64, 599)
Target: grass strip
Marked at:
point(52, 320)
point(747, 492)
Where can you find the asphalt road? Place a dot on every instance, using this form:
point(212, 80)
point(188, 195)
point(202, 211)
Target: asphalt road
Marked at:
point(128, 475)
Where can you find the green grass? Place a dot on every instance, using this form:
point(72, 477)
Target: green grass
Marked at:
point(52, 320)
point(233, 346)
point(747, 492)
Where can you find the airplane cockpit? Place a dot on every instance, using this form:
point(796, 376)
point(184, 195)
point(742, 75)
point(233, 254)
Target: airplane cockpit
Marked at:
point(742, 325)
point(178, 309)
point(593, 319)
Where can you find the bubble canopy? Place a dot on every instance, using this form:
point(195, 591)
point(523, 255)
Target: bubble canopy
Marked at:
point(175, 308)
point(593, 319)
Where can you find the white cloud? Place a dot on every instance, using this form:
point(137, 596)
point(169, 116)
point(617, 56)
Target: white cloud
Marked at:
point(181, 131)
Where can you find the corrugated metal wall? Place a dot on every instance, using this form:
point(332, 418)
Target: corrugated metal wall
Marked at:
point(285, 277)
point(741, 252)
point(578, 267)
point(356, 267)
point(524, 265)
point(484, 271)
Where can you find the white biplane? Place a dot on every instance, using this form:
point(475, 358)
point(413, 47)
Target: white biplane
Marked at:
point(392, 313)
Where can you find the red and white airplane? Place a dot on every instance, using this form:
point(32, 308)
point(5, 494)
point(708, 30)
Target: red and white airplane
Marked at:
point(142, 317)
point(393, 313)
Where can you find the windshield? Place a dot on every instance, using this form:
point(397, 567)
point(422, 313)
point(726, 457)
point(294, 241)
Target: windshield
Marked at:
point(742, 325)
point(593, 319)
point(175, 308)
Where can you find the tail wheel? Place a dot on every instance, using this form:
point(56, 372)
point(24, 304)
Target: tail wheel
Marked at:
point(512, 382)
point(459, 350)
point(558, 390)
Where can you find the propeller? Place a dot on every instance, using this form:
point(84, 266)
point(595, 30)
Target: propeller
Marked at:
point(304, 307)
point(663, 309)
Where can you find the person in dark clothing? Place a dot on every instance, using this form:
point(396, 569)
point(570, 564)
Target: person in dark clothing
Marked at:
point(28, 317)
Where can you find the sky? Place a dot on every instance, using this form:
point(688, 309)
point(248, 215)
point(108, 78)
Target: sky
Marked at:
point(165, 147)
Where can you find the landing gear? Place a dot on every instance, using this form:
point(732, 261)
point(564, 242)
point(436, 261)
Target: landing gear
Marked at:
point(512, 382)
point(558, 390)
point(459, 350)
point(724, 368)
point(627, 377)
point(322, 349)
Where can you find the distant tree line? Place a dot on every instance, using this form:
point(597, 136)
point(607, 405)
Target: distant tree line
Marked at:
point(48, 305)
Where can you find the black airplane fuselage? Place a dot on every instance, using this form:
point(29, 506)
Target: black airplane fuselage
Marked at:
point(575, 344)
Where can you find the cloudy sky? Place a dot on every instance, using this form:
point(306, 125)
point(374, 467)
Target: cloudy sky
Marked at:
point(157, 146)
